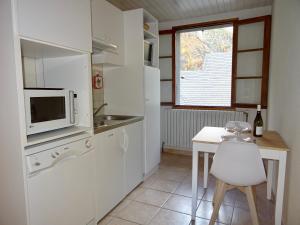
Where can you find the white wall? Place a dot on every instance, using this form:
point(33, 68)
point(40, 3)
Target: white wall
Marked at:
point(284, 94)
point(243, 14)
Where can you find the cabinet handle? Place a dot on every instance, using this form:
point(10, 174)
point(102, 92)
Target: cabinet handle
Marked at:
point(110, 135)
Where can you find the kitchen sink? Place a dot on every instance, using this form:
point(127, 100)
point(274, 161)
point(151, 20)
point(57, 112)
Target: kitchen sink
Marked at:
point(113, 117)
point(108, 120)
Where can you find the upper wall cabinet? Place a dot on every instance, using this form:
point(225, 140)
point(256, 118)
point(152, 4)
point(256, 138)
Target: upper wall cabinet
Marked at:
point(108, 33)
point(62, 22)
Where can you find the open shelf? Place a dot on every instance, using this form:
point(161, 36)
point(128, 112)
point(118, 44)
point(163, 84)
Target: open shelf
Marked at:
point(149, 35)
point(55, 134)
point(38, 49)
point(99, 46)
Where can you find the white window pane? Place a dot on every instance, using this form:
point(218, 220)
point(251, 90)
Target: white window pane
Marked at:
point(249, 64)
point(165, 45)
point(251, 36)
point(248, 91)
point(166, 91)
point(204, 75)
point(165, 66)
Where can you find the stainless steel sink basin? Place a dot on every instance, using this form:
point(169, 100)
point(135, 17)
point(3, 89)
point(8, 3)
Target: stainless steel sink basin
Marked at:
point(108, 120)
point(113, 117)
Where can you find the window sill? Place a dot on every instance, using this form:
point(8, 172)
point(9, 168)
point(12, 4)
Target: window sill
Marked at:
point(193, 107)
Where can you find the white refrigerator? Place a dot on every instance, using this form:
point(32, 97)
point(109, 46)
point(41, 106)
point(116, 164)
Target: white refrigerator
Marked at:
point(152, 147)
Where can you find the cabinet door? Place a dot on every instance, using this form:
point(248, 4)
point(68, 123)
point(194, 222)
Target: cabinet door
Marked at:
point(62, 22)
point(134, 160)
point(63, 194)
point(107, 26)
point(109, 172)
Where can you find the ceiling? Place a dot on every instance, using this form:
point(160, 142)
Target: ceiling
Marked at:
point(165, 10)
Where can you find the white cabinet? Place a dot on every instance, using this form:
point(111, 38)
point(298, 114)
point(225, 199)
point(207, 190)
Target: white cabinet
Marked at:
point(133, 157)
point(109, 171)
point(118, 165)
point(62, 22)
point(108, 29)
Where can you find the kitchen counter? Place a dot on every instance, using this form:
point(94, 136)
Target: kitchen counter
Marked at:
point(111, 124)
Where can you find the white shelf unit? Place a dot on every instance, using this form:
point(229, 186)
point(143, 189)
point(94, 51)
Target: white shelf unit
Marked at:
point(51, 66)
point(149, 35)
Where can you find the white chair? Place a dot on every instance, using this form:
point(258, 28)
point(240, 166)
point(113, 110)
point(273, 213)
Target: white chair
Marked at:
point(237, 165)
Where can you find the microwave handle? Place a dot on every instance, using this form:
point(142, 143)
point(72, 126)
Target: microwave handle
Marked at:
point(72, 113)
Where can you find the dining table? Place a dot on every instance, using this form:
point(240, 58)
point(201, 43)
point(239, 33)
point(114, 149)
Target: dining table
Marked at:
point(271, 147)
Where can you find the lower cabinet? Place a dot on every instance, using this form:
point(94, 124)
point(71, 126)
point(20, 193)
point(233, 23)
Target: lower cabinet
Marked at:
point(119, 164)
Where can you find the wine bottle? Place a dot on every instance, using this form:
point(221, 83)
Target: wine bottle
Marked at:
point(258, 123)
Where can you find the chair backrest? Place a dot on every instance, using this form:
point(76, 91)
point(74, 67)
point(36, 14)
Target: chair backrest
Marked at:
point(238, 163)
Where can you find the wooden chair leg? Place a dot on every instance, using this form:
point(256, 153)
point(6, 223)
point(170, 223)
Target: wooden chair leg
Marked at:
point(218, 201)
point(216, 192)
point(251, 202)
point(254, 193)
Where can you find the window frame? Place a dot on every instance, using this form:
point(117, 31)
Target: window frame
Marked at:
point(234, 23)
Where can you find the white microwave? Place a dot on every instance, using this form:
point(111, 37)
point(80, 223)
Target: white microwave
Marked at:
point(49, 109)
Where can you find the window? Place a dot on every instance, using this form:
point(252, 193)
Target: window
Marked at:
point(204, 57)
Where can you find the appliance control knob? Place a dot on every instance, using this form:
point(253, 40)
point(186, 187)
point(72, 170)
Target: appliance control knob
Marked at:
point(53, 156)
point(57, 153)
point(88, 143)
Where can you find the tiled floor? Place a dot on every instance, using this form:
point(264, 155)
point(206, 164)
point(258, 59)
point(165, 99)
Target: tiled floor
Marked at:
point(165, 199)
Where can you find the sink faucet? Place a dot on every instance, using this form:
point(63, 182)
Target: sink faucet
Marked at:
point(98, 109)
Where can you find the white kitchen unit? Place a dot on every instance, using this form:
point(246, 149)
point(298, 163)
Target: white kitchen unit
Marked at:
point(57, 67)
point(152, 118)
point(65, 23)
point(55, 37)
point(110, 177)
point(107, 33)
point(118, 165)
point(133, 157)
point(135, 88)
point(60, 185)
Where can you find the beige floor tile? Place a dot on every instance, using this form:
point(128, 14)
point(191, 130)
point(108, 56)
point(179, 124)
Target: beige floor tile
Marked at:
point(153, 197)
point(180, 204)
point(176, 169)
point(241, 217)
point(122, 205)
point(167, 217)
point(229, 198)
point(185, 189)
point(136, 192)
point(149, 181)
point(178, 176)
point(138, 212)
point(164, 185)
point(205, 210)
point(117, 221)
point(105, 220)
point(201, 221)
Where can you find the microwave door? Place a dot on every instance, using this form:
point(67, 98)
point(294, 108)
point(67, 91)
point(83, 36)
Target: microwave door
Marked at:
point(44, 109)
